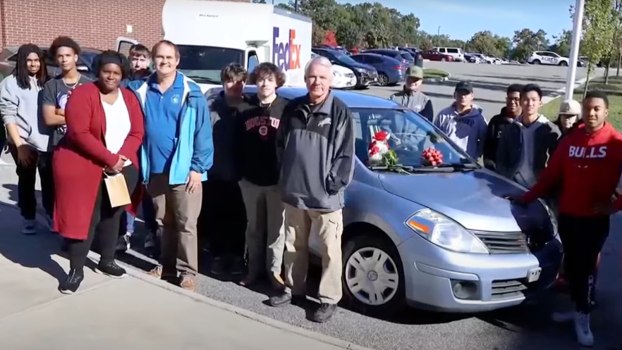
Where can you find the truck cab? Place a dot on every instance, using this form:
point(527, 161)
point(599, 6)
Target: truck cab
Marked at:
point(213, 34)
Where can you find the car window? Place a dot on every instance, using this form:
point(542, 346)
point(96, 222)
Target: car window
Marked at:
point(452, 50)
point(374, 59)
point(410, 135)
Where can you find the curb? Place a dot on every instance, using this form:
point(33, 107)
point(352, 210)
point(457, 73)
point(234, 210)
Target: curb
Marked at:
point(134, 273)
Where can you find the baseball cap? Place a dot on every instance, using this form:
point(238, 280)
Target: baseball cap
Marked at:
point(464, 86)
point(414, 72)
point(570, 107)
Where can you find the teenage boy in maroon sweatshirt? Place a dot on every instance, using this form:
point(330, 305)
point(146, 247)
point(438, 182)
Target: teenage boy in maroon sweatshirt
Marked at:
point(591, 151)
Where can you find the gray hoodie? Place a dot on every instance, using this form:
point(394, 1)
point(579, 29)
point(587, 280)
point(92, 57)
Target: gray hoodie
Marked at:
point(467, 131)
point(21, 107)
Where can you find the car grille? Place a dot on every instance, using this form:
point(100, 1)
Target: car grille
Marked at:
point(504, 289)
point(504, 242)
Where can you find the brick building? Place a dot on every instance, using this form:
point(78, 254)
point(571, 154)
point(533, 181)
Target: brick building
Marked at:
point(92, 23)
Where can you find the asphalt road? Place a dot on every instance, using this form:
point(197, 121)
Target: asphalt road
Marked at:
point(523, 327)
point(489, 83)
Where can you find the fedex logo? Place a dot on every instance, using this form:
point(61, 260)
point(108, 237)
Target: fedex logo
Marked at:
point(587, 152)
point(285, 54)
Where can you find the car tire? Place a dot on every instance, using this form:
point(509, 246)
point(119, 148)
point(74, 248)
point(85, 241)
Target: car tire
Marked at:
point(536, 61)
point(563, 64)
point(372, 247)
point(383, 79)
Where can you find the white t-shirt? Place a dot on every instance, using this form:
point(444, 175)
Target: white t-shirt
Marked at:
point(117, 124)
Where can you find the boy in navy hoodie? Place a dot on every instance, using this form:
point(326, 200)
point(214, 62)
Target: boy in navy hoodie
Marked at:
point(463, 121)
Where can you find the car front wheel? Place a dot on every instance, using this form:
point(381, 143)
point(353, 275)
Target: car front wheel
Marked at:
point(373, 277)
point(563, 63)
point(383, 79)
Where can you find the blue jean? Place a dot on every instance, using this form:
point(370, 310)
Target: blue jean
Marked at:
point(148, 215)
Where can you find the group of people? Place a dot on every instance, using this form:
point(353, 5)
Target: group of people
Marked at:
point(574, 163)
point(246, 175)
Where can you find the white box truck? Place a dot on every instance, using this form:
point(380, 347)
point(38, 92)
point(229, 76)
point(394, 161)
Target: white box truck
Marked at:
point(212, 34)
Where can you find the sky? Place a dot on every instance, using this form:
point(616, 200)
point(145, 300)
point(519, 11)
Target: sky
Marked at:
point(460, 19)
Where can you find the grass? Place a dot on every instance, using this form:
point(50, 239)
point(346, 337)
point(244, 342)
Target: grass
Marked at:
point(613, 89)
point(434, 73)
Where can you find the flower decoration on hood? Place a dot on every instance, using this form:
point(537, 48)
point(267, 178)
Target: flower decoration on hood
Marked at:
point(432, 156)
point(379, 151)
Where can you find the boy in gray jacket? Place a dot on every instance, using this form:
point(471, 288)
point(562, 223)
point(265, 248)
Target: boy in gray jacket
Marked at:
point(27, 138)
point(411, 97)
point(463, 121)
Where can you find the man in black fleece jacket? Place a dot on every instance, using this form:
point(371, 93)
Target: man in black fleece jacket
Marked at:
point(257, 129)
point(496, 125)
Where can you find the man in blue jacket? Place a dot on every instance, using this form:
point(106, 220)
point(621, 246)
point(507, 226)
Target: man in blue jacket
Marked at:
point(176, 154)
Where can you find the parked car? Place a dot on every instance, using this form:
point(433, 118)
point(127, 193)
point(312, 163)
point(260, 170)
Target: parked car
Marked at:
point(472, 58)
point(406, 58)
point(8, 57)
point(454, 52)
point(365, 74)
point(390, 70)
point(547, 57)
point(437, 56)
point(343, 77)
point(441, 238)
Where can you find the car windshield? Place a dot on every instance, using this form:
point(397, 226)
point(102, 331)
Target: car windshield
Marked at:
point(407, 56)
point(409, 136)
point(203, 63)
point(344, 58)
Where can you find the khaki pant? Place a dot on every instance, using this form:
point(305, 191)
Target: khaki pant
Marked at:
point(265, 234)
point(299, 225)
point(177, 212)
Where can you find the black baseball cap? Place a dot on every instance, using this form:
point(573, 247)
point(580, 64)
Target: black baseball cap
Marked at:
point(464, 86)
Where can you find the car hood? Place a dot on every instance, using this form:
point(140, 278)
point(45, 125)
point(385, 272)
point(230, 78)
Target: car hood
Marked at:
point(474, 199)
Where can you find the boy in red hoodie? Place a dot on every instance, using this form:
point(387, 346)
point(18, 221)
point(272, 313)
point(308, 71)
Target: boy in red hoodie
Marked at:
point(591, 151)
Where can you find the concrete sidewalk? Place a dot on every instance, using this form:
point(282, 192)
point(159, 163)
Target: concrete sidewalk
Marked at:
point(137, 312)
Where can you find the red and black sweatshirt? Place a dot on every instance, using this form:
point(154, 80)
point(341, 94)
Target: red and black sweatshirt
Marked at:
point(585, 168)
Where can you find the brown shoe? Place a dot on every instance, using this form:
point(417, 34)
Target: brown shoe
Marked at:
point(188, 283)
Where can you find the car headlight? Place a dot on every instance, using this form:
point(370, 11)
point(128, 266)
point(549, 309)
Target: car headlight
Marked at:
point(338, 74)
point(445, 232)
point(361, 70)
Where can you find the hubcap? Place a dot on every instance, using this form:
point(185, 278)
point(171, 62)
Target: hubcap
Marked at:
point(371, 276)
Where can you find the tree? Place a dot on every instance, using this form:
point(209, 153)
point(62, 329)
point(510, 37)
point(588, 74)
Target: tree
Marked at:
point(489, 44)
point(527, 41)
point(259, 1)
point(562, 43)
point(598, 31)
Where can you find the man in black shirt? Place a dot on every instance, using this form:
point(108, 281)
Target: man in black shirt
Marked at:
point(496, 125)
point(260, 176)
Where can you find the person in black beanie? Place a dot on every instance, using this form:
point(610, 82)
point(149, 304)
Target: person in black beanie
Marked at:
point(265, 235)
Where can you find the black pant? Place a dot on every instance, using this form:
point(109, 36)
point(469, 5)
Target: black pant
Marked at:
point(582, 238)
point(104, 224)
point(223, 218)
point(27, 177)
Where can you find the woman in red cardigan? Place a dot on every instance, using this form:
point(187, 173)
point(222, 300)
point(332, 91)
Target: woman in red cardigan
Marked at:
point(104, 132)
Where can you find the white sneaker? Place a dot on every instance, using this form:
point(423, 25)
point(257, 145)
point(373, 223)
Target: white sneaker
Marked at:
point(29, 227)
point(563, 317)
point(582, 328)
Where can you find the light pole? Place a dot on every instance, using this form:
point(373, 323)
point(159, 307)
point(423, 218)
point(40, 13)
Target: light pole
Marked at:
point(574, 48)
point(438, 36)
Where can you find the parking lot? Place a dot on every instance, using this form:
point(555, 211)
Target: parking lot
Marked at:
point(489, 83)
point(527, 326)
